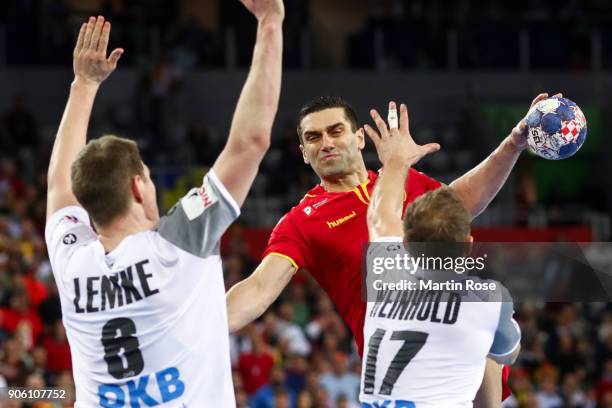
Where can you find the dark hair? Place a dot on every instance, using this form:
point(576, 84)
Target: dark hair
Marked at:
point(323, 103)
point(101, 176)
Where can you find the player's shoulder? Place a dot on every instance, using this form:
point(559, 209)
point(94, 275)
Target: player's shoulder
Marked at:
point(158, 246)
point(304, 206)
point(66, 230)
point(296, 215)
point(314, 194)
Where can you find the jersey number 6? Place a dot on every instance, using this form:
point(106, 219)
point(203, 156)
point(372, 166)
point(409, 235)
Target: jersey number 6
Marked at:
point(413, 342)
point(118, 334)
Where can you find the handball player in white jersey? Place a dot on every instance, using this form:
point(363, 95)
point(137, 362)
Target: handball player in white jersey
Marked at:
point(142, 297)
point(425, 348)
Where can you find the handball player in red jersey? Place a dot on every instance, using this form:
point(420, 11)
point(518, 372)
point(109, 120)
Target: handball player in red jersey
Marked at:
point(326, 231)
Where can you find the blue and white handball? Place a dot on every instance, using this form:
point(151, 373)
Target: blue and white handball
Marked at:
point(556, 128)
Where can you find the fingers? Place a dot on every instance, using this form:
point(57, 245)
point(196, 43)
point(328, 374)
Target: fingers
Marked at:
point(404, 121)
point(543, 96)
point(380, 124)
point(372, 134)
point(431, 148)
point(103, 44)
point(115, 55)
point(539, 98)
point(95, 37)
point(93, 32)
point(89, 32)
point(392, 116)
point(424, 151)
point(79, 44)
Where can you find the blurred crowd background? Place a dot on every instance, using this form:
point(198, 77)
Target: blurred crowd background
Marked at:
point(466, 55)
point(416, 34)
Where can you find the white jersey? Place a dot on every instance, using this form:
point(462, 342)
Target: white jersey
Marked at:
point(426, 348)
point(147, 322)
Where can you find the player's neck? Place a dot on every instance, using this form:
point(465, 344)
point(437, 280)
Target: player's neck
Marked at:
point(130, 224)
point(345, 183)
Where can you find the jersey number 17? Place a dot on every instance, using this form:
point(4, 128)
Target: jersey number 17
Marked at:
point(413, 342)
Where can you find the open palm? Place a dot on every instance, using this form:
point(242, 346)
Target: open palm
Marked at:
point(90, 62)
point(397, 142)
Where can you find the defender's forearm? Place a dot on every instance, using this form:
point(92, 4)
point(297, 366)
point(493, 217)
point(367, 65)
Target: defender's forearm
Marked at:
point(72, 134)
point(258, 103)
point(386, 204)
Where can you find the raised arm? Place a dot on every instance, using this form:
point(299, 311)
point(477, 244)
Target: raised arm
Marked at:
point(249, 136)
point(479, 186)
point(91, 67)
point(398, 152)
point(248, 299)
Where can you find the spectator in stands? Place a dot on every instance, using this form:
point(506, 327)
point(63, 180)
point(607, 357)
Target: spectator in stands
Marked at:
point(39, 363)
point(548, 397)
point(275, 392)
point(255, 366)
point(289, 334)
point(296, 370)
point(20, 319)
point(12, 364)
point(340, 382)
point(299, 306)
point(304, 400)
point(12, 187)
point(572, 393)
point(58, 349)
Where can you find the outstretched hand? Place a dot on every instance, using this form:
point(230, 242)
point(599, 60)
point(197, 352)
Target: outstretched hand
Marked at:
point(265, 9)
point(397, 143)
point(90, 62)
point(519, 133)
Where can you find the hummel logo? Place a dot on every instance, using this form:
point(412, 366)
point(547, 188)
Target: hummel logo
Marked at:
point(335, 223)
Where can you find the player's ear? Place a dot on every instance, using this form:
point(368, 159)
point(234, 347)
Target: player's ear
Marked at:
point(304, 154)
point(360, 138)
point(136, 185)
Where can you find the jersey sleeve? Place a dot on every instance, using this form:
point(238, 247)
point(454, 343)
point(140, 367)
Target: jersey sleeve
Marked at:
point(196, 223)
point(287, 241)
point(66, 230)
point(508, 334)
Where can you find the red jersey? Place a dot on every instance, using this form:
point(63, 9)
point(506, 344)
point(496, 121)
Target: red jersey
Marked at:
point(325, 234)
